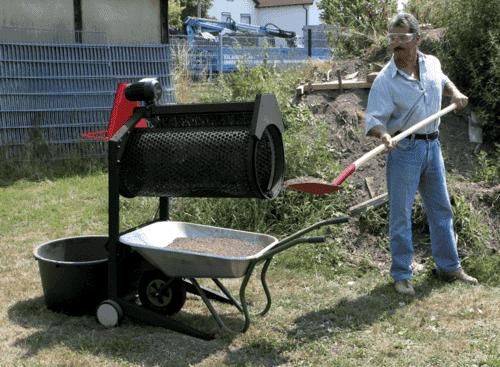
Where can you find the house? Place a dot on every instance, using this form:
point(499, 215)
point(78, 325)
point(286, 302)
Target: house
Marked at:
point(84, 20)
point(290, 15)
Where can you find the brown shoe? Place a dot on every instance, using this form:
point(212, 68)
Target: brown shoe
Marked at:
point(459, 275)
point(404, 287)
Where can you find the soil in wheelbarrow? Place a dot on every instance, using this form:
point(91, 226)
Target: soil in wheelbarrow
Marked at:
point(217, 246)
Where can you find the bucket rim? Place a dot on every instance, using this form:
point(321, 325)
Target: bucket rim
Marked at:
point(90, 262)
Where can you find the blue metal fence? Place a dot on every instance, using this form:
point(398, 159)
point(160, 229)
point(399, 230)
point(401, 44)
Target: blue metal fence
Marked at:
point(224, 54)
point(52, 89)
point(51, 93)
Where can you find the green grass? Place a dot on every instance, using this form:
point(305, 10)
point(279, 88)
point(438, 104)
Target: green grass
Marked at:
point(333, 304)
point(320, 316)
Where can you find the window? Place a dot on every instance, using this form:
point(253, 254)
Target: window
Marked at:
point(225, 16)
point(245, 19)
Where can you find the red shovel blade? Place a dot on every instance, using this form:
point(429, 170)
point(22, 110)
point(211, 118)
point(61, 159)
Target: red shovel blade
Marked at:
point(316, 186)
point(311, 186)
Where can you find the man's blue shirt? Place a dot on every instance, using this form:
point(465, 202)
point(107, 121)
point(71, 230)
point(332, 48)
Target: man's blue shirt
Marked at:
point(398, 101)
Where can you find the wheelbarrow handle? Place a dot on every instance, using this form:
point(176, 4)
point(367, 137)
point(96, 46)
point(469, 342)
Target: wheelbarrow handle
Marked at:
point(315, 239)
point(297, 238)
point(327, 222)
point(284, 246)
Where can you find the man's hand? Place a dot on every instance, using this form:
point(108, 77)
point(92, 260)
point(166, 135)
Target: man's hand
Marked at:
point(460, 99)
point(380, 132)
point(457, 97)
point(387, 140)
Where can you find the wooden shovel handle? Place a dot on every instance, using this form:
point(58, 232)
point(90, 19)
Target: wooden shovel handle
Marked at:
point(423, 123)
point(404, 134)
point(381, 148)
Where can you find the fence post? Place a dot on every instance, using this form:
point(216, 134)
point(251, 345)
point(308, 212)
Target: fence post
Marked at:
point(221, 55)
point(77, 15)
point(309, 42)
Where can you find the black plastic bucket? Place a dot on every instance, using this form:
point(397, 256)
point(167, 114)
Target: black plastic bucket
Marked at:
point(74, 273)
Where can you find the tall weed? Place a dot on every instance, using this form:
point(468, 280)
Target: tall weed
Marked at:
point(488, 166)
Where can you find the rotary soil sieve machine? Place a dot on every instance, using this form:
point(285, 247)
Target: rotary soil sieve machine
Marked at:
point(221, 150)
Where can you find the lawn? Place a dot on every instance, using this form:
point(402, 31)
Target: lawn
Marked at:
point(316, 318)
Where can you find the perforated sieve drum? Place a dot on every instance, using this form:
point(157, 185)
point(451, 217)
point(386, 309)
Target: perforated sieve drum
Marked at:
point(206, 150)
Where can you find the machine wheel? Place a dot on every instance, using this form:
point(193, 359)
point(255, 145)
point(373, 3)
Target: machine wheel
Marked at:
point(109, 313)
point(161, 293)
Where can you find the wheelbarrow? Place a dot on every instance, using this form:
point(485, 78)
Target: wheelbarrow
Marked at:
point(176, 270)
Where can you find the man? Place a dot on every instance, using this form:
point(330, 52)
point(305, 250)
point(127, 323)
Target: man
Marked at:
point(407, 90)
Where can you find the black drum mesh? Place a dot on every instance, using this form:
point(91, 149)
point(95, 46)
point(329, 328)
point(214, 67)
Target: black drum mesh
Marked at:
point(212, 119)
point(193, 161)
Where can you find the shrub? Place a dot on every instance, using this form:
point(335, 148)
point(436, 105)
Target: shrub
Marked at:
point(470, 51)
point(428, 11)
point(470, 55)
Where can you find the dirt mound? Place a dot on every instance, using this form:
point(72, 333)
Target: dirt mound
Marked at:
point(342, 112)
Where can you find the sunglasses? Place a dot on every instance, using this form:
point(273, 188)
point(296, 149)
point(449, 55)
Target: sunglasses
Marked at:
point(400, 37)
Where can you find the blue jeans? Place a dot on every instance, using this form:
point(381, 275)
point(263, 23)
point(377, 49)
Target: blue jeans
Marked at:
point(418, 165)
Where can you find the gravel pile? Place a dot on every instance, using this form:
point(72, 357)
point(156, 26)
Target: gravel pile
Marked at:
point(217, 246)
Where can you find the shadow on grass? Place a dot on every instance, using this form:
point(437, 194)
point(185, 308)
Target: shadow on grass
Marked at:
point(37, 169)
point(133, 341)
point(356, 314)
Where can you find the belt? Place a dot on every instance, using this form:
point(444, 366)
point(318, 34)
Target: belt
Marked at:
point(430, 136)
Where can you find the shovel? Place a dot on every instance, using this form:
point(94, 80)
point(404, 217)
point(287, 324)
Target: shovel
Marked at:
point(319, 187)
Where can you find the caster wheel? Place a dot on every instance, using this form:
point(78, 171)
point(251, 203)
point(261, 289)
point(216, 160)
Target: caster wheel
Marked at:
point(109, 313)
point(161, 293)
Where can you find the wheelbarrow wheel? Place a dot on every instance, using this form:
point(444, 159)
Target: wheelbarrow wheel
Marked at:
point(161, 293)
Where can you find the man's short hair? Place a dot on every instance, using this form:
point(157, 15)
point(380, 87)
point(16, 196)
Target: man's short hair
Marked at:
point(405, 20)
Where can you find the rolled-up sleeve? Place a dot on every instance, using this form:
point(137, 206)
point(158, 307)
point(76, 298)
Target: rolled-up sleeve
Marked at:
point(444, 78)
point(380, 105)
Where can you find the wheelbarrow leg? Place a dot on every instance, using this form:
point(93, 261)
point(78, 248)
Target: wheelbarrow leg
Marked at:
point(214, 313)
point(224, 298)
point(228, 295)
point(243, 288)
point(265, 287)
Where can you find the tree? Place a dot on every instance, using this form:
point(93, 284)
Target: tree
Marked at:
point(365, 16)
point(174, 14)
point(191, 8)
point(428, 11)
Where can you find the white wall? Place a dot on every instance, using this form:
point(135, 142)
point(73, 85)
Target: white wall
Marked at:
point(289, 18)
point(235, 7)
point(123, 21)
point(119, 20)
point(43, 14)
point(314, 14)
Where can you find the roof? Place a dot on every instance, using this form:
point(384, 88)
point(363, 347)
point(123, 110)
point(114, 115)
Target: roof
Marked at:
point(272, 3)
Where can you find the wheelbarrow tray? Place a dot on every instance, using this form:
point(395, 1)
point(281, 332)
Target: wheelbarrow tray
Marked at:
point(152, 242)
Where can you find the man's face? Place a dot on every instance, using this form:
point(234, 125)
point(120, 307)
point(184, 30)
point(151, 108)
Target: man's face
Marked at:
point(402, 42)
